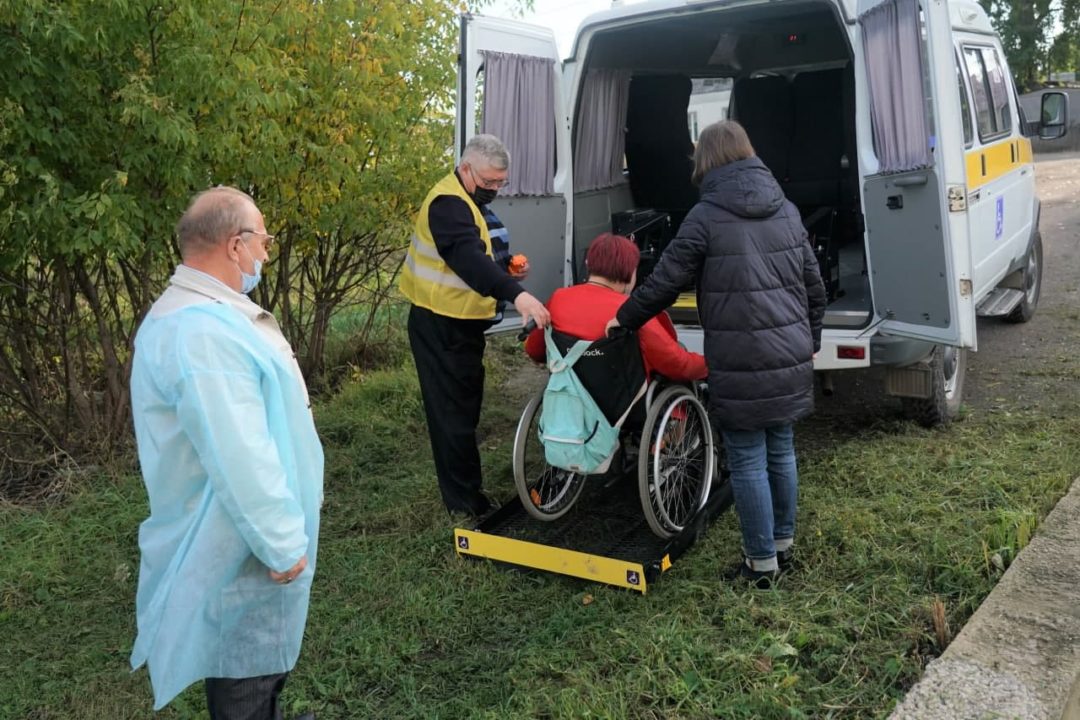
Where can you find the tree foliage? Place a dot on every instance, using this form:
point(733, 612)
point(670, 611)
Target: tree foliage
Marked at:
point(1064, 53)
point(333, 115)
point(1039, 37)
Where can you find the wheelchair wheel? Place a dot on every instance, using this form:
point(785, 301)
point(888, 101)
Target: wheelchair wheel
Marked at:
point(546, 492)
point(676, 461)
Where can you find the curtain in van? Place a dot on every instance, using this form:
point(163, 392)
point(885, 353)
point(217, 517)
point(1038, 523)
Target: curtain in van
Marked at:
point(894, 63)
point(600, 142)
point(519, 109)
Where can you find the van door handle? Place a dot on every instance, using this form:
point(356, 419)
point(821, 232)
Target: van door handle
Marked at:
point(911, 180)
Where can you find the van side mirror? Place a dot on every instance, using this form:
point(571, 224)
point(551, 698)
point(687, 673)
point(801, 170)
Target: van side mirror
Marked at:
point(1053, 116)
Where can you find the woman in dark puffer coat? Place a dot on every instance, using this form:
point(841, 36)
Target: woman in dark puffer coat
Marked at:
point(761, 303)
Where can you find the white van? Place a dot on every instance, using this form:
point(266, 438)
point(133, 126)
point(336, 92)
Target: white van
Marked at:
point(894, 127)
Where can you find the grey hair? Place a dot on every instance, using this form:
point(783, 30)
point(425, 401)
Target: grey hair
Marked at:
point(487, 148)
point(212, 216)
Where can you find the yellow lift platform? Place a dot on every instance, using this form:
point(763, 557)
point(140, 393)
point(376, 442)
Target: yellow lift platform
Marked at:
point(604, 537)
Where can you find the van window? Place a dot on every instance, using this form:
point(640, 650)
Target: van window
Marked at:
point(965, 106)
point(478, 102)
point(709, 101)
point(999, 89)
point(989, 91)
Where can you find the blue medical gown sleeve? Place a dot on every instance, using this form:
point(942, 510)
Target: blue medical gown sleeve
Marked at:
point(221, 408)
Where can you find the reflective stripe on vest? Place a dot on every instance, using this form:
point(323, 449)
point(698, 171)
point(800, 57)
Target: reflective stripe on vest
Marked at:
point(428, 273)
point(426, 279)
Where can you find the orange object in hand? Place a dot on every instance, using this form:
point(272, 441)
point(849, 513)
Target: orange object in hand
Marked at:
point(518, 263)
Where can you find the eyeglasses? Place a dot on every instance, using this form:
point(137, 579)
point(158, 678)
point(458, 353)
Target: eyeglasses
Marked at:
point(488, 184)
point(268, 241)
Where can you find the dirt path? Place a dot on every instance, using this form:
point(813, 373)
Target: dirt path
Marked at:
point(1038, 363)
point(1017, 367)
point(1016, 655)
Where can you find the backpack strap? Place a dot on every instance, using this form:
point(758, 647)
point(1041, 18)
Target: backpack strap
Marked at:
point(557, 362)
point(640, 392)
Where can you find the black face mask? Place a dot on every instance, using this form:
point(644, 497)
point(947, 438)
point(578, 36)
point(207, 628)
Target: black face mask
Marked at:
point(483, 196)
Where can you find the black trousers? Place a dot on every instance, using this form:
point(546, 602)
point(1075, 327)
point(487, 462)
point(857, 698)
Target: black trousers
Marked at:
point(449, 355)
point(245, 698)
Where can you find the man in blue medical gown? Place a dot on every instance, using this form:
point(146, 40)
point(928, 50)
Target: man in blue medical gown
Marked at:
point(233, 469)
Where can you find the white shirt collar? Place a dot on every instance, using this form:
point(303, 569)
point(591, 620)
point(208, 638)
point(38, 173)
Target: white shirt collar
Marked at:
point(197, 281)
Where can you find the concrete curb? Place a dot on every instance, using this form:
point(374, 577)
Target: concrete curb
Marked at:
point(1019, 655)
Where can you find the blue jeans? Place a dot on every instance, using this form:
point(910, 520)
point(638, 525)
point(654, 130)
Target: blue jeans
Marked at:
point(765, 482)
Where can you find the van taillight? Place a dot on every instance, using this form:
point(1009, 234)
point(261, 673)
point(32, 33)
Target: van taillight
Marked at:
point(851, 352)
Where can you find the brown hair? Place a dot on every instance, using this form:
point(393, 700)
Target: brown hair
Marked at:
point(719, 144)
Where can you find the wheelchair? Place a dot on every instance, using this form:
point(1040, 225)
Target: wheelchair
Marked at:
point(666, 430)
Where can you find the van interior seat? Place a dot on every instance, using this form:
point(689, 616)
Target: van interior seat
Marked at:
point(658, 146)
point(763, 106)
point(815, 168)
point(801, 130)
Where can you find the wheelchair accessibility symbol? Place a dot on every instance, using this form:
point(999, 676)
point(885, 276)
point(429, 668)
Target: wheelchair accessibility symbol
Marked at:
point(999, 219)
point(632, 577)
point(463, 542)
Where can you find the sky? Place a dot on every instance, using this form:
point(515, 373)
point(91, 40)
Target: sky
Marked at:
point(562, 16)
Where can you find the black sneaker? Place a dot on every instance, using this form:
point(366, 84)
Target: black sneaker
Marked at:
point(785, 558)
point(475, 507)
point(481, 504)
point(761, 579)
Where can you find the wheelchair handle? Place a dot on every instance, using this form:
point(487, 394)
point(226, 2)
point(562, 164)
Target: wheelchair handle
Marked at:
point(527, 330)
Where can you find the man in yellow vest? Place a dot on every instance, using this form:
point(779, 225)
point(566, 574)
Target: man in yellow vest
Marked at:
point(456, 277)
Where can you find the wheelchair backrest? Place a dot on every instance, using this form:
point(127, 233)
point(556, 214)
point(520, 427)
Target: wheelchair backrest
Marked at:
point(612, 370)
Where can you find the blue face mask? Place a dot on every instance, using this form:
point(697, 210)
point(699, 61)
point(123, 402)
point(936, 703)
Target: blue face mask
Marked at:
point(248, 282)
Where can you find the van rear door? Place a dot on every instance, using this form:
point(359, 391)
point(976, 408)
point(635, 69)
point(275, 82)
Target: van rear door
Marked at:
point(918, 249)
point(538, 221)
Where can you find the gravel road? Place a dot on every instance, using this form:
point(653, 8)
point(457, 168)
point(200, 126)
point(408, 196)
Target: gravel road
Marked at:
point(1036, 364)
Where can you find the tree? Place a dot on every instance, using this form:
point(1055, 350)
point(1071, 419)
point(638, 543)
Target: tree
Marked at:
point(333, 115)
point(1064, 53)
point(1033, 34)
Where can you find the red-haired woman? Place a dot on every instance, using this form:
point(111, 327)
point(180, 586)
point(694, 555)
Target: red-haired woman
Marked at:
point(583, 310)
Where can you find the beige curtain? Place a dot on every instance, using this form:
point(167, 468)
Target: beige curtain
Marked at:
point(519, 109)
point(894, 63)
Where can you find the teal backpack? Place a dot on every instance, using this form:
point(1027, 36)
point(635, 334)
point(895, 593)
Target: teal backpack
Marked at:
point(573, 430)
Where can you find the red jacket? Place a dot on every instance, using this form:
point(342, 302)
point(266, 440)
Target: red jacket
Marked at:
point(584, 310)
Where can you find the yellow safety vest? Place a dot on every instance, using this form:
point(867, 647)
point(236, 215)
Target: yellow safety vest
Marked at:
point(427, 280)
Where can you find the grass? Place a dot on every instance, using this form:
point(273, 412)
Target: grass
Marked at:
point(903, 531)
point(358, 340)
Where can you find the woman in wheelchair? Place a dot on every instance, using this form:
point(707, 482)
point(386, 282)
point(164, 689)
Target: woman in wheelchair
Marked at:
point(666, 437)
point(583, 310)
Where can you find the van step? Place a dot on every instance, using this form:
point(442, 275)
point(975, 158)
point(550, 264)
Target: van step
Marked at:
point(999, 302)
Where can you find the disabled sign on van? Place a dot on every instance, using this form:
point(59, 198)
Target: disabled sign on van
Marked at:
point(999, 224)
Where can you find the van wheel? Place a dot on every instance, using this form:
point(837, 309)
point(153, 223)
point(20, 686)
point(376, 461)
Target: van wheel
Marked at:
point(1032, 284)
point(948, 366)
